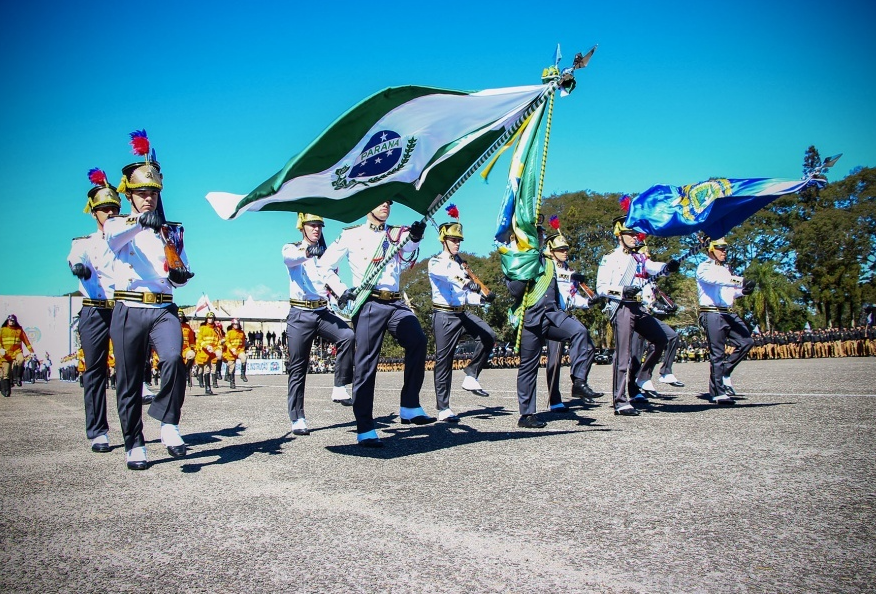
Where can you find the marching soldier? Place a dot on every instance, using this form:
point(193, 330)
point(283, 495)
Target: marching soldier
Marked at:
point(188, 346)
point(718, 288)
point(12, 338)
point(150, 262)
point(453, 289)
point(620, 278)
point(207, 352)
point(364, 246)
point(91, 260)
point(572, 295)
point(310, 317)
point(234, 352)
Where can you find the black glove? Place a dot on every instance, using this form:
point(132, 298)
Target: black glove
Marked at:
point(416, 230)
point(315, 250)
point(179, 276)
point(81, 271)
point(489, 297)
point(349, 295)
point(630, 292)
point(595, 301)
point(472, 286)
point(672, 266)
point(748, 286)
point(151, 220)
point(577, 277)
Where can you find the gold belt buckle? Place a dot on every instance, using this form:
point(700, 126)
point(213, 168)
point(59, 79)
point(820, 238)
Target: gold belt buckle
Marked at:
point(384, 295)
point(150, 298)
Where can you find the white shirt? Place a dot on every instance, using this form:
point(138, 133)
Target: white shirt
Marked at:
point(571, 296)
point(613, 266)
point(93, 252)
point(448, 280)
point(141, 265)
point(308, 280)
point(716, 286)
point(359, 244)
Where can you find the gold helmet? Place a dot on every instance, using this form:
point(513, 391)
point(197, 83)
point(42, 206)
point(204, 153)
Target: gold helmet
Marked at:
point(102, 194)
point(718, 244)
point(146, 174)
point(304, 219)
point(210, 315)
point(451, 229)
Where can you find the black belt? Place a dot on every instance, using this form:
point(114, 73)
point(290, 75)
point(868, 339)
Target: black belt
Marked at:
point(453, 308)
point(99, 303)
point(708, 309)
point(384, 295)
point(142, 297)
point(315, 304)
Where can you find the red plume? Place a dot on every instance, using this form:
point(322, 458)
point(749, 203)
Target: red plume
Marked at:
point(453, 211)
point(554, 222)
point(625, 203)
point(97, 177)
point(140, 142)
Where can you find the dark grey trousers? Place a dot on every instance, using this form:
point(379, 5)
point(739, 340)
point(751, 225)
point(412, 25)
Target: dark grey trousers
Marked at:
point(133, 329)
point(94, 336)
point(372, 320)
point(722, 329)
point(448, 326)
point(639, 347)
point(303, 325)
point(632, 318)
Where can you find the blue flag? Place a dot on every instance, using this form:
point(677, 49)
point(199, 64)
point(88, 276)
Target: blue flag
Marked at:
point(714, 206)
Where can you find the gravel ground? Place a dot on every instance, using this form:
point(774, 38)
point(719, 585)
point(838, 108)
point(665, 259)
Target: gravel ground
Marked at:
point(775, 494)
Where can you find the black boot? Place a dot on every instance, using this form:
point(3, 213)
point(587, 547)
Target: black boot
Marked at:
point(5, 389)
point(189, 374)
point(113, 381)
point(243, 372)
point(227, 375)
point(207, 390)
point(231, 381)
point(200, 374)
point(215, 378)
point(581, 390)
point(16, 375)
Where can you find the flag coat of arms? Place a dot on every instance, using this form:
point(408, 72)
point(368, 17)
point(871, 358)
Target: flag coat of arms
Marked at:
point(406, 144)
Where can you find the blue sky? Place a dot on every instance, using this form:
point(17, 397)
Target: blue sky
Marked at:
point(676, 93)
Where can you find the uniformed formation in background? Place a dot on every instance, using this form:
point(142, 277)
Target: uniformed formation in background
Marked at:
point(131, 331)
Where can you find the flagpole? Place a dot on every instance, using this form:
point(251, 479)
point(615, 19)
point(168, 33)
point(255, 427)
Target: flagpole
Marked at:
point(363, 291)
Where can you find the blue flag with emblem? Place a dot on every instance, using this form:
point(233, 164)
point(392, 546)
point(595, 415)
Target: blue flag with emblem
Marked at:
point(714, 206)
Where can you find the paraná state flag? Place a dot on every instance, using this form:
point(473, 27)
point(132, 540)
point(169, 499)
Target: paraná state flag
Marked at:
point(406, 144)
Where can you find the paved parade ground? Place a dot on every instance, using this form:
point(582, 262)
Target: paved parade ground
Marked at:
point(775, 494)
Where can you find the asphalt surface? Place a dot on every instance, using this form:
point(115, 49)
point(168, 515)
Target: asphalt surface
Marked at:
point(774, 494)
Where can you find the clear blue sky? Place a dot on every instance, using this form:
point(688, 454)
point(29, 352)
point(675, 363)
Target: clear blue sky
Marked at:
point(676, 93)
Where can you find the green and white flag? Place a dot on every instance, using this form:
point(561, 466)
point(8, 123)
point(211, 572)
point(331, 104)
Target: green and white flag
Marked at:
point(407, 144)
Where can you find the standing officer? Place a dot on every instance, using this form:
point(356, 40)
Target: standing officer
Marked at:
point(620, 278)
point(309, 317)
point(717, 288)
point(188, 346)
point(12, 337)
point(452, 290)
point(235, 350)
point(365, 246)
point(150, 262)
point(207, 352)
point(91, 261)
point(572, 296)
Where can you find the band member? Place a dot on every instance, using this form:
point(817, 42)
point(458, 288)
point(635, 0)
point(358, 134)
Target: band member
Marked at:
point(207, 352)
point(91, 260)
point(717, 288)
point(188, 346)
point(573, 295)
point(150, 262)
point(542, 318)
point(220, 353)
point(364, 246)
point(620, 278)
point(309, 317)
point(452, 290)
point(12, 339)
point(234, 352)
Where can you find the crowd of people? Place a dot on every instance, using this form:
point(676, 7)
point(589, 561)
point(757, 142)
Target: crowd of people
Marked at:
point(130, 265)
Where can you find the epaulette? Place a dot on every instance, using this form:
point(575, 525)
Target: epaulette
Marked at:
point(351, 227)
point(83, 237)
point(172, 223)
